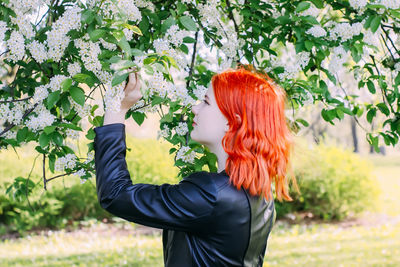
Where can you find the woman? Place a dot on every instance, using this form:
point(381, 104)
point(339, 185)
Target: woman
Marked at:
point(208, 219)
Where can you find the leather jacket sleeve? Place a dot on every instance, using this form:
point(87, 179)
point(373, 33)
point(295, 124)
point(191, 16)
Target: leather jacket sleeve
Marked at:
point(186, 206)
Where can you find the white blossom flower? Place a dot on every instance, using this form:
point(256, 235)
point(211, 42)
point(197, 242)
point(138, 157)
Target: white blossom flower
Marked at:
point(73, 134)
point(184, 154)
point(316, 31)
point(16, 45)
point(41, 93)
point(175, 36)
point(338, 57)
point(24, 25)
point(345, 31)
point(3, 29)
point(57, 38)
point(67, 161)
point(38, 51)
point(311, 11)
point(392, 4)
point(81, 173)
point(114, 96)
point(83, 111)
point(89, 52)
point(182, 128)
point(164, 133)
point(74, 68)
point(55, 82)
point(44, 118)
point(358, 4)
point(107, 45)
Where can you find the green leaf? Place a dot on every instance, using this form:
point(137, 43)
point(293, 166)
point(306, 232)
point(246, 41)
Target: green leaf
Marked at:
point(188, 40)
point(309, 45)
point(304, 122)
point(188, 23)
point(49, 129)
point(78, 95)
point(97, 34)
point(98, 121)
point(375, 23)
point(138, 117)
point(133, 28)
point(66, 84)
point(156, 100)
point(371, 114)
point(124, 45)
point(339, 113)
point(57, 138)
point(71, 126)
point(167, 23)
point(52, 160)
point(43, 140)
point(394, 13)
point(52, 99)
point(22, 133)
point(84, 78)
point(327, 115)
point(137, 52)
point(383, 108)
point(119, 79)
point(371, 87)
point(303, 6)
point(87, 16)
point(149, 60)
point(91, 134)
point(184, 49)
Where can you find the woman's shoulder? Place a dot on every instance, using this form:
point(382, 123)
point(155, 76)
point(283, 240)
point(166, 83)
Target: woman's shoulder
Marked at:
point(208, 179)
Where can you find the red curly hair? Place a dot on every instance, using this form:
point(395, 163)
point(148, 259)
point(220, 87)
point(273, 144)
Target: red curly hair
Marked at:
point(258, 146)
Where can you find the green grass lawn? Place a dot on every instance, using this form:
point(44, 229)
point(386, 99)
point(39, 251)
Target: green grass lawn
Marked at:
point(299, 245)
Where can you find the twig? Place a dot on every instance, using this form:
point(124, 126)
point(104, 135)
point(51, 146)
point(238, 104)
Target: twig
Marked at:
point(23, 116)
point(387, 47)
point(26, 184)
point(193, 59)
point(344, 91)
point(384, 96)
point(15, 100)
point(390, 39)
point(44, 172)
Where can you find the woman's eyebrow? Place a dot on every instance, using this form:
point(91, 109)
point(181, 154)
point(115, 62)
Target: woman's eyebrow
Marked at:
point(207, 96)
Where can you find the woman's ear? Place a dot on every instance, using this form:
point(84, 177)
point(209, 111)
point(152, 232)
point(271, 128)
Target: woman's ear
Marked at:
point(238, 119)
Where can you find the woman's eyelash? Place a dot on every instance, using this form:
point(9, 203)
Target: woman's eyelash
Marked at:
point(206, 101)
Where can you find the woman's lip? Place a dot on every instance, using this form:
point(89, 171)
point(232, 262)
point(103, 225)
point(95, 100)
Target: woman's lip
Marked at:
point(193, 124)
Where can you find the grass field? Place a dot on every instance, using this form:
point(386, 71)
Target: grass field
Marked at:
point(299, 245)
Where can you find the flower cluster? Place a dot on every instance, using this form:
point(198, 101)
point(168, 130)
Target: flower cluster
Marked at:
point(16, 46)
point(316, 31)
point(182, 128)
point(57, 39)
point(44, 118)
point(184, 154)
point(345, 31)
point(89, 52)
point(66, 162)
point(164, 133)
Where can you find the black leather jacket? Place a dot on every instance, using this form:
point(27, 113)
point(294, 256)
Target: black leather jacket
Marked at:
point(206, 220)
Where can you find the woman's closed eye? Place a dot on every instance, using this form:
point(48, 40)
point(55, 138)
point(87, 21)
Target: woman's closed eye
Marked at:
point(205, 101)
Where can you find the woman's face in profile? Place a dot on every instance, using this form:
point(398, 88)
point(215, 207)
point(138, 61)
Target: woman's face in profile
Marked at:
point(210, 125)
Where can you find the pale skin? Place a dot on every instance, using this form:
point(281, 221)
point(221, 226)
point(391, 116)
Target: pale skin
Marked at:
point(211, 125)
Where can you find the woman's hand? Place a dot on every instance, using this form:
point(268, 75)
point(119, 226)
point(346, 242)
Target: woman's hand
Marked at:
point(132, 92)
point(132, 96)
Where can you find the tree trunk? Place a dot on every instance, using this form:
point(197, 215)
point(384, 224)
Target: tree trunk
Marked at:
point(354, 134)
